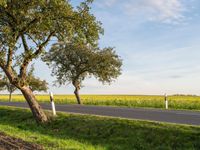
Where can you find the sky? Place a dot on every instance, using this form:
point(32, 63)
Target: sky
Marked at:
point(158, 41)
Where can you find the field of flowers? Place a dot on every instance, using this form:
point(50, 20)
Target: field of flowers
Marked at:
point(175, 102)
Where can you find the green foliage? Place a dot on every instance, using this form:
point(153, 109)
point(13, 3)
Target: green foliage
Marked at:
point(85, 132)
point(36, 84)
point(6, 85)
point(107, 65)
point(1, 83)
point(26, 27)
point(74, 61)
point(37, 18)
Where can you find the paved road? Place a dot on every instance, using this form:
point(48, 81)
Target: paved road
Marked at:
point(172, 116)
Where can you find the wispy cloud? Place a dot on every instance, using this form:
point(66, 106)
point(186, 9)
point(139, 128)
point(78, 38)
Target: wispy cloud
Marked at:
point(107, 3)
point(166, 11)
point(175, 76)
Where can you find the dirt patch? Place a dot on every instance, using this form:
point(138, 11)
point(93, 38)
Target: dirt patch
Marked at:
point(8, 143)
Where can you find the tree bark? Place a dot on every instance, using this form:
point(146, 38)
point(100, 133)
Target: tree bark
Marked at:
point(76, 92)
point(10, 97)
point(36, 109)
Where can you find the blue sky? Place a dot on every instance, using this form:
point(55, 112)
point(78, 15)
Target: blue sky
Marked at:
point(158, 40)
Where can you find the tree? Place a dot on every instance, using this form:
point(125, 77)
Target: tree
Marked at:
point(27, 27)
point(35, 84)
point(6, 85)
point(1, 81)
point(74, 61)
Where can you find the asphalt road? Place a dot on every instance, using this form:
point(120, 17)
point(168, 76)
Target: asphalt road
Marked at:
point(171, 116)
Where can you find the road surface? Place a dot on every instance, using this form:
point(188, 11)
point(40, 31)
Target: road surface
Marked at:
point(171, 116)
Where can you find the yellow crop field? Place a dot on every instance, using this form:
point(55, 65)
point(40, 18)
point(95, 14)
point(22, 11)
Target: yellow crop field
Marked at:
point(175, 102)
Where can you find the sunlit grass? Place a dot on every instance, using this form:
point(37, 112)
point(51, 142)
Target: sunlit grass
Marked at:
point(85, 132)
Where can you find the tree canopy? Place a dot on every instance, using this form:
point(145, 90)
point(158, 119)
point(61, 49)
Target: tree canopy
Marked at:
point(36, 84)
point(72, 62)
point(28, 26)
point(37, 22)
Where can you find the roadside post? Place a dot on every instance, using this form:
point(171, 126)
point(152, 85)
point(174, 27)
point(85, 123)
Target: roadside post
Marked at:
point(166, 101)
point(52, 104)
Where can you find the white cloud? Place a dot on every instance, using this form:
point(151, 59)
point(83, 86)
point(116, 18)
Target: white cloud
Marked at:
point(162, 10)
point(167, 11)
point(106, 3)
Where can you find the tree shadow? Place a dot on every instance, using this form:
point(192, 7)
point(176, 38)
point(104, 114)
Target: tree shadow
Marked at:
point(109, 133)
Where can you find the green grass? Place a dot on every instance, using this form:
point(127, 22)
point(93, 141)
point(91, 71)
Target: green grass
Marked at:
point(175, 102)
point(85, 132)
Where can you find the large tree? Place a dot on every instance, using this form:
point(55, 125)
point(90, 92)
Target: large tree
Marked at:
point(73, 61)
point(27, 27)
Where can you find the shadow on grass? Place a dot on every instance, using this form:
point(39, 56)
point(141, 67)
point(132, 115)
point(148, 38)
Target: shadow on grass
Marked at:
point(107, 132)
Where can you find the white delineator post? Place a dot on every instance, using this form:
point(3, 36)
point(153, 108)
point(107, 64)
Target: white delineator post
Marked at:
point(166, 101)
point(52, 104)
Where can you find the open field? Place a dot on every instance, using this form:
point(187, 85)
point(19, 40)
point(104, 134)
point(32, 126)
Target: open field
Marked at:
point(175, 102)
point(84, 132)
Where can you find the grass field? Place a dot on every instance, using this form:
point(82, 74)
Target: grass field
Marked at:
point(84, 132)
point(175, 102)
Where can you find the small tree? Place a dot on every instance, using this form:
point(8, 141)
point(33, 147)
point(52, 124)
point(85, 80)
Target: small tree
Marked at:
point(74, 61)
point(35, 84)
point(1, 83)
point(6, 85)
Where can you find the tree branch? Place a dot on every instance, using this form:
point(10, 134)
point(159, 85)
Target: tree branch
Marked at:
point(32, 39)
point(10, 17)
point(26, 48)
point(27, 59)
point(10, 52)
point(2, 59)
point(10, 74)
point(25, 63)
point(9, 57)
point(39, 50)
point(2, 64)
point(28, 25)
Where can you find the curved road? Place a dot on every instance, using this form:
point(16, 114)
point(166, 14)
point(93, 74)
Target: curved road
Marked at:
point(171, 116)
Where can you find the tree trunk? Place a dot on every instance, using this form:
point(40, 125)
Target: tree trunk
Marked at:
point(36, 109)
point(76, 92)
point(10, 97)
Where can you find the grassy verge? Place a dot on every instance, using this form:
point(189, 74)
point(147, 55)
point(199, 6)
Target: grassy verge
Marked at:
point(84, 132)
point(175, 102)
